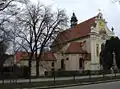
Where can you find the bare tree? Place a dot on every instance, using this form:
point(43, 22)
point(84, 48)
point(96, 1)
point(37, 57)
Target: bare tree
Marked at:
point(114, 1)
point(7, 3)
point(8, 11)
point(4, 4)
point(39, 26)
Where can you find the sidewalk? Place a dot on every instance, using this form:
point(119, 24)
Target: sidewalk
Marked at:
point(78, 84)
point(49, 83)
point(71, 85)
point(57, 78)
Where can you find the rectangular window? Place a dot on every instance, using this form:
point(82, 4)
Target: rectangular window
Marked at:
point(97, 49)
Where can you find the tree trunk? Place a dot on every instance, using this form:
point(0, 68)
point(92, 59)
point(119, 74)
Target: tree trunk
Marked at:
point(37, 59)
point(2, 60)
point(29, 66)
point(37, 68)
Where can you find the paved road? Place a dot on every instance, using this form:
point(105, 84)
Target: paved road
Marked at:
point(110, 85)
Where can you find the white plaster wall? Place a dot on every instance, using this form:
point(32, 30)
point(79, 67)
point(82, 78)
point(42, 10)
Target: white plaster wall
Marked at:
point(87, 65)
point(74, 62)
point(23, 63)
point(67, 62)
point(59, 57)
point(94, 58)
point(44, 66)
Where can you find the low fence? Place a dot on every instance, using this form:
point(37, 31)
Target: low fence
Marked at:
point(14, 72)
point(61, 75)
point(79, 73)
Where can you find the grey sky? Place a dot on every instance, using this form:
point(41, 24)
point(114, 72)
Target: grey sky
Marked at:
point(85, 9)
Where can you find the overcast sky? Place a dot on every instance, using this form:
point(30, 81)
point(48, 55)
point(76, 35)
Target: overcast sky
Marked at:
point(85, 9)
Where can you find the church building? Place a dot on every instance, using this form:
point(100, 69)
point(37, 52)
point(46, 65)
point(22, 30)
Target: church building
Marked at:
point(78, 48)
point(75, 49)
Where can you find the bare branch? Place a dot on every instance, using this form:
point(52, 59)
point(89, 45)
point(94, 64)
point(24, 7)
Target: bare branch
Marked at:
point(5, 5)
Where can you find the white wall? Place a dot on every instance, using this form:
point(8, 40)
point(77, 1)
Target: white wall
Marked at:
point(87, 65)
point(44, 66)
point(74, 61)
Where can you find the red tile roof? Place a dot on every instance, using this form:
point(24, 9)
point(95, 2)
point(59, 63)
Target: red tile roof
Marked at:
point(20, 55)
point(75, 47)
point(45, 56)
point(48, 57)
point(81, 30)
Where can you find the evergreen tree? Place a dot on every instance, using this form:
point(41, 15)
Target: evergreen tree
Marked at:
point(106, 55)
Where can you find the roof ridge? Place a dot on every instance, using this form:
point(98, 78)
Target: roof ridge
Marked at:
point(87, 20)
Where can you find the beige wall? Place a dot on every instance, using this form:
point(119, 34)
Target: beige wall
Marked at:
point(59, 57)
point(72, 64)
point(74, 61)
point(87, 65)
point(44, 66)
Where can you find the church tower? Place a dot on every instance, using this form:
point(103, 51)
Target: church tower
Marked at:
point(73, 20)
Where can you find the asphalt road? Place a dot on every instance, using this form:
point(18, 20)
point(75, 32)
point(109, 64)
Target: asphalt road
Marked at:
point(110, 85)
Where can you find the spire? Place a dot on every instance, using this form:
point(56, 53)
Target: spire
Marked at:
point(73, 20)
